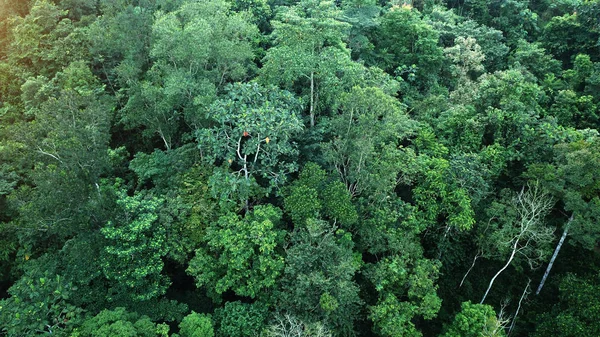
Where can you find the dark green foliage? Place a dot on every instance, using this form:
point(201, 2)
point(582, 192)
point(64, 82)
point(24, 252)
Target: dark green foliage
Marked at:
point(407, 46)
point(299, 168)
point(577, 312)
point(314, 195)
point(39, 303)
point(317, 284)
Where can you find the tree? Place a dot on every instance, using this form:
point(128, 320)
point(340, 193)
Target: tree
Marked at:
point(240, 319)
point(576, 312)
point(289, 326)
point(406, 288)
point(136, 244)
point(451, 26)
point(571, 179)
point(308, 52)
point(523, 232)
point(120, 323)
point(197, 49)
point(476, 320)
point(44, 41)
point(314, 195)
point(241, 254)
point(251, 130)
point(564, 36)
point(406, 45)
point(364, 147)
point(196, 325)
point(39, 303)
point(317, 284)
point(67, 150)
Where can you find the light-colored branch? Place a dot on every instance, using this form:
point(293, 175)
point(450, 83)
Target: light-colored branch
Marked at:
point(525, 293)
point(560, 243)
point(472, 265)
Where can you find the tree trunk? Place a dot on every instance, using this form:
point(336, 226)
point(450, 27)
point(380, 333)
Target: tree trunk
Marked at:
point(512, 255)
point(560, 243)
point(525, 293)
point(468, 271)
point(312, 99)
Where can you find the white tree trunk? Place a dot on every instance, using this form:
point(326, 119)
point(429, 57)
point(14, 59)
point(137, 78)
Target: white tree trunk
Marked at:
point(525, 293)
point(468, 271)
point(512, 255)
point(560, 243)
point(312, 99)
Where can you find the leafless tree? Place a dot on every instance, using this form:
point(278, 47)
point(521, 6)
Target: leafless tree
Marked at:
point(527, 232)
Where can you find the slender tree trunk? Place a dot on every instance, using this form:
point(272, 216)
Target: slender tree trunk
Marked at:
point(560, 243)
point(468, 271)
point(312, 99)
point(512, 255)
point(525, 292)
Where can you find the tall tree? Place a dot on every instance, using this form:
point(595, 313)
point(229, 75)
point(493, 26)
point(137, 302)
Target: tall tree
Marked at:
point(196, 50)
point(241, 254)
point(309, 54)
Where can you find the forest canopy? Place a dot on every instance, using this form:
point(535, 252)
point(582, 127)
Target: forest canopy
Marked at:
point(302, 168)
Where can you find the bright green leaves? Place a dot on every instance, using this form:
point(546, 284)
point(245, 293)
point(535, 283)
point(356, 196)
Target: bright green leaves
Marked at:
point(121, 323)
point(475, 320)
point(397, 278)
point(252, 128)
point(237, 319)
point(135, 247)
point(241, 254)
point(302, 203)
point(196, 325)
point(39, 303)
point(406, 287)
point(313, 195)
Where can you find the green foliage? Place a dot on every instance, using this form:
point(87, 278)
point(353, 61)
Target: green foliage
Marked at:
point(565, 36)
point(120, 323)
point(405, 283)
point(252, 130)
point(577, 312)
point(196, 50)
point(136, 244)
point(149, 152)
point(405, 40)
point(317, 284)
point(364, 147)
point(39, 303)
point(450, 26)
point(241, 254)
point(314, 195)
point(237, 319)
point(572, 178)
point(475, 320)
point(44, 41)
point(196, 325)
point(308, 52)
